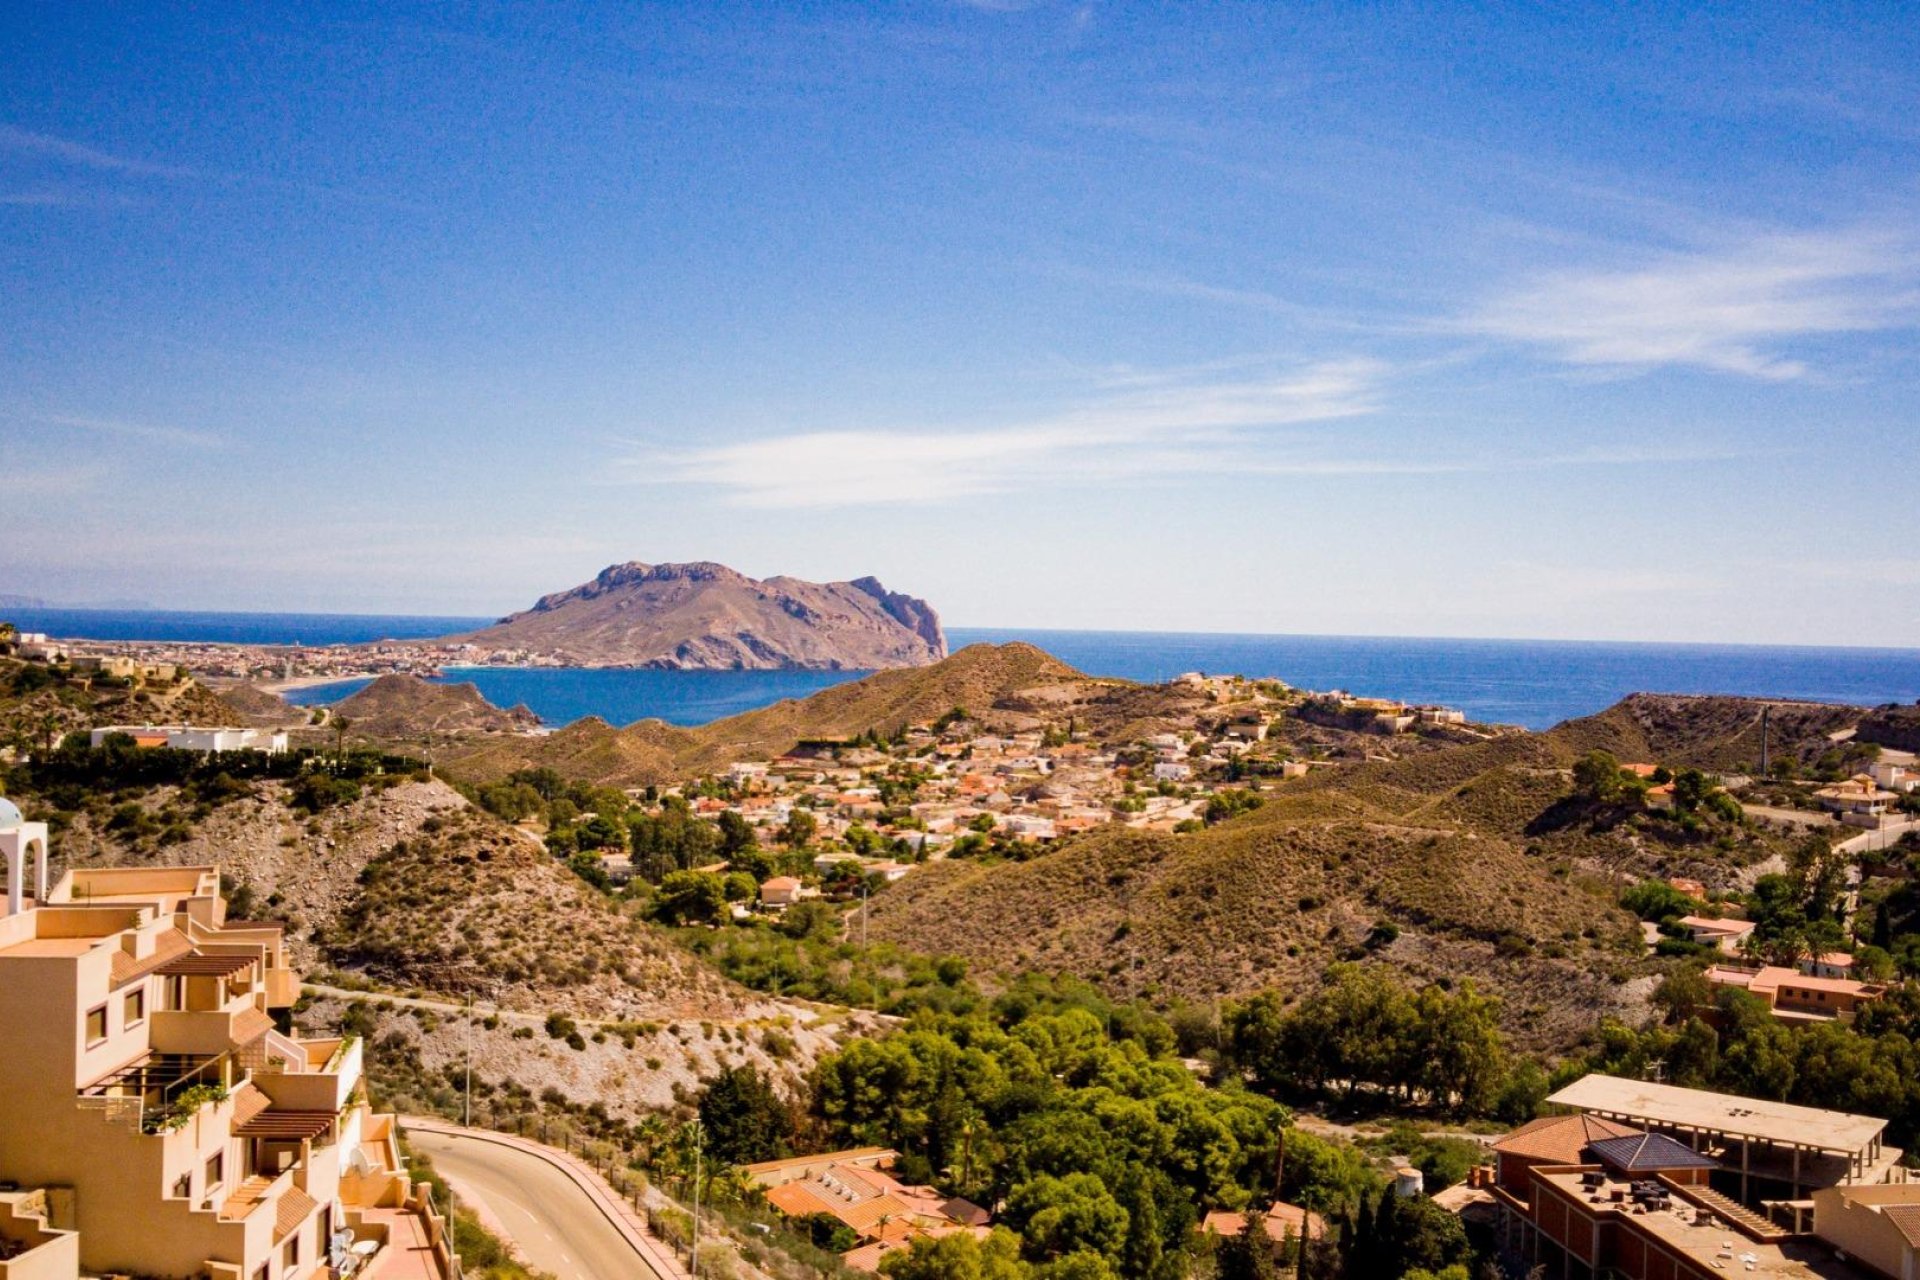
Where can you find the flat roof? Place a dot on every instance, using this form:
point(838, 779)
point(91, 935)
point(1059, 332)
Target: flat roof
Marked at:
point(1679, 1230)
point(1755, 1118)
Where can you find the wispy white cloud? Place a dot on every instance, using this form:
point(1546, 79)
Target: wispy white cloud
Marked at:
point(1164, 427)
point(1731, 309)
point(69, 152)
point(183, 437)
point(1207, 419)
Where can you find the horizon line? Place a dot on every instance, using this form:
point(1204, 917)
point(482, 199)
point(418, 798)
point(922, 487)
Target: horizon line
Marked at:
point(1014, 632)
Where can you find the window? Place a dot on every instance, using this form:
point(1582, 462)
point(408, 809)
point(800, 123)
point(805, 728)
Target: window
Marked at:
point(135, 1007)
point(183, 1187)
point(96, 1025)
point(290, 1252)
point(262, 1271)
point(216, 1170)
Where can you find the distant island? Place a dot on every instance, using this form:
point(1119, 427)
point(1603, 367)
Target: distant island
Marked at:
point(707, 617)
point(9, 600)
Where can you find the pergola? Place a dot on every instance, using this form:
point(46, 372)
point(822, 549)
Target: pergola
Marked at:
point(1818, 1144)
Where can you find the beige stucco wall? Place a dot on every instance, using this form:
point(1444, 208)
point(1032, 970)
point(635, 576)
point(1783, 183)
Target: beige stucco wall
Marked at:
point(1844, 1218)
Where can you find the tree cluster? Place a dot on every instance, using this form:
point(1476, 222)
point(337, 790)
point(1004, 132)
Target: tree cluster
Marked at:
point(1363, 1029)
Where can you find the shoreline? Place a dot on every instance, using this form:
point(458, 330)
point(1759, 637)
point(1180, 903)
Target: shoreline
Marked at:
point(309, 682)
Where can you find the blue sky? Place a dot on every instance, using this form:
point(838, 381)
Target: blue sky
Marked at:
point(1436, 320)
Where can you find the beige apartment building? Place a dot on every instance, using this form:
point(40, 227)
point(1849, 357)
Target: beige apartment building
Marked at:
point(153, 1120)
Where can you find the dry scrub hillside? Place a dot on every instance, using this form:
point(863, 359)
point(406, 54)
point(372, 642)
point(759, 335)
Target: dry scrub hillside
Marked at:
point(417, 891)
point(253, 705)
point(1474, 855)
point(408, 890)
point(300, 868)
point(398, 706)
point(1005, 687)
point(468, 904)
point(1893, 726)
point(1271, 898)
point(1709, 732)
point(628, 1068)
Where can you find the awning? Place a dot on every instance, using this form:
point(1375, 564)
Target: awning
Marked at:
point(286, 1126)
point(202, 965)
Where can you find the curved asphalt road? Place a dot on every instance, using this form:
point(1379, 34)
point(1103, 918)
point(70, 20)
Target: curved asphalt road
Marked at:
point(556, 1227)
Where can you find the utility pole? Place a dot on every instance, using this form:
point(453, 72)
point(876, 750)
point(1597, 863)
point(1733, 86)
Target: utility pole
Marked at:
point(863, 915)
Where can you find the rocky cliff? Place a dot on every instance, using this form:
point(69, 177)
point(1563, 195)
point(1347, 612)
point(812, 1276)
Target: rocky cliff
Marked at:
point(705, 616)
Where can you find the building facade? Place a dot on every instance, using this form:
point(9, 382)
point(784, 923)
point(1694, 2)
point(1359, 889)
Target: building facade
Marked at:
point(159, 1122)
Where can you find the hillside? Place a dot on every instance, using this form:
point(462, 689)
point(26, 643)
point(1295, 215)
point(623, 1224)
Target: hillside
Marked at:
point(706, 616)
point(415, 889)
point(402, 706)
point(1470, 853)
point(409, 889)
point(1003, 687)
point(1893, 726)
point(1709, 732)
point(39, 706)
point(1271, 898)
point(253, 705)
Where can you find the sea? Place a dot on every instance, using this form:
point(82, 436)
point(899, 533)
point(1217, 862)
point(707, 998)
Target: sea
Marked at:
point(1535, 683)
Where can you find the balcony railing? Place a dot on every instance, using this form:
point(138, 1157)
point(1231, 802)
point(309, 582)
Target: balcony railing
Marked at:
point(163, 1091)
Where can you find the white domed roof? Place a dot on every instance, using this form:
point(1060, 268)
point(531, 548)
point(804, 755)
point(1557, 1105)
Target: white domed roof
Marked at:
point(9, 814)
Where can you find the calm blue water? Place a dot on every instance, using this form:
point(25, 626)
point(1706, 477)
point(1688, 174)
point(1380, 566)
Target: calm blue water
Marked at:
point(1536, 683)
point(1531, 682)
point(618, 697)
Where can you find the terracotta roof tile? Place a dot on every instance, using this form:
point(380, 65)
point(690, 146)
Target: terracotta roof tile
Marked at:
point(291, 1211)
point(1907, 1218)
point(248, 1102)
point(867, 1214)
point(167, 946)
point(798, 1199)
point(1560, 1139)
point(250, 1024)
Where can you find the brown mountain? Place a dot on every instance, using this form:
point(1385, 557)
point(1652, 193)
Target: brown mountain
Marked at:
point(705, 616)
point(401, 706)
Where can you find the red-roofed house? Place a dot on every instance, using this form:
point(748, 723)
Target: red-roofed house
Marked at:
point(1797, 997)
point(1282, 1221)
point(855, 1187)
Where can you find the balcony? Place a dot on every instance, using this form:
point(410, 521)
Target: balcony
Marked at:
point(308, 1075)
point(163, 1091)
